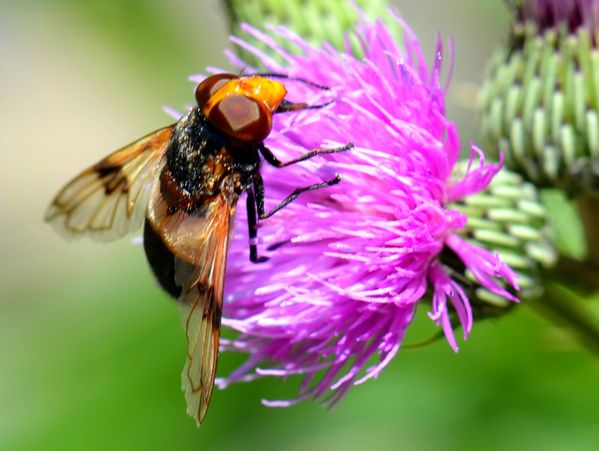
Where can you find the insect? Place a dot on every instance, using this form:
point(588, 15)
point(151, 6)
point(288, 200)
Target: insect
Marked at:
point(182, 183)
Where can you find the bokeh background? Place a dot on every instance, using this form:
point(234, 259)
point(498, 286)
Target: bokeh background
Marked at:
point(91, 350)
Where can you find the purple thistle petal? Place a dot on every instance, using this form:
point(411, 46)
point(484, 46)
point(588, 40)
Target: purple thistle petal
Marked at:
point(445, 288)
point(485, 266)
point(172, 112)
point(475, 180)
point(349, 264)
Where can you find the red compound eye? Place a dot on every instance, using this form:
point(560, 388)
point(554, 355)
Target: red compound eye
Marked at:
point(242, 118)
point(210, 85)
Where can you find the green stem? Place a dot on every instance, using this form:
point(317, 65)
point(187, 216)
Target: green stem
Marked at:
point(588, 208)
point(582, 276)
point(563, 307)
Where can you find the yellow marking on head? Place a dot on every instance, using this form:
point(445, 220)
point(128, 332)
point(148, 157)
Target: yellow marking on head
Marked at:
point(269, 92)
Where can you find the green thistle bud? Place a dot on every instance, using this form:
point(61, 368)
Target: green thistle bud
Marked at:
point(508, 217)
point(540, 103)
point(316, 21)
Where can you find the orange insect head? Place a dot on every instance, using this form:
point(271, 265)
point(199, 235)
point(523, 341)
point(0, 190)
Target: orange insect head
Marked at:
point(240, 107)
point(264, 90)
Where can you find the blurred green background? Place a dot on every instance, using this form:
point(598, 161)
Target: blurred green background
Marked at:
point(90, 349)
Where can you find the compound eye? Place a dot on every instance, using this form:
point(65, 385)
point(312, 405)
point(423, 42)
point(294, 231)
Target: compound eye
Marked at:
point(210, 85)
point(242, 118)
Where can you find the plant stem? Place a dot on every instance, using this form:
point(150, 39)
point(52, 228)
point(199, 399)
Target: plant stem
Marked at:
point(562, 306)
point(588, 207)
point(582, 276)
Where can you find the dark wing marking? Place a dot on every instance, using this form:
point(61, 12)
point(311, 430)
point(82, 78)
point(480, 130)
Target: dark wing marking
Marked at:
point(200, 245)
point(109, 199)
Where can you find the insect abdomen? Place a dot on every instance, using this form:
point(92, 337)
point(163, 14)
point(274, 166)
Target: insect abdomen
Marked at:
point(161, 260)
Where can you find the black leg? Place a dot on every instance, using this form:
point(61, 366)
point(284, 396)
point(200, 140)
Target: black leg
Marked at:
point(294, 195)
point(253, 227)
point(287, 77)
point(255, 208)
point(273, 160)
point(258, 192)
point(286, 106)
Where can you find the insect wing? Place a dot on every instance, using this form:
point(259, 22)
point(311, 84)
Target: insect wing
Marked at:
point(109, 199)
point(199, 244)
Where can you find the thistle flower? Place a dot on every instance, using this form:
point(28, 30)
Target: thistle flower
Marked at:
point(349, 265)
point(540, 103)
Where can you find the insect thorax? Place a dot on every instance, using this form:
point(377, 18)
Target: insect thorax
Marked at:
point(199, 165)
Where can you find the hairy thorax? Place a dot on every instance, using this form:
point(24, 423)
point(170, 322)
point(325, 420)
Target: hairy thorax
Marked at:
point(199, 166)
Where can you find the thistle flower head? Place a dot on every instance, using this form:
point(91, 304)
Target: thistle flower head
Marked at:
point(349, 264)
point(552, 14)
point(540, 102)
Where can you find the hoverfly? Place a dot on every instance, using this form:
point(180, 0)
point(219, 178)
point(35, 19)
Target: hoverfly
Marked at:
point(183, 182)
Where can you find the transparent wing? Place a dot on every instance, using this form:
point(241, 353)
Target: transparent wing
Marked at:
point(109, 199)
point(199, 244)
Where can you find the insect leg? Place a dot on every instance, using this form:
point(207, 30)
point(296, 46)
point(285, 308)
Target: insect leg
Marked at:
point(258, 192)
point(255, 208)
point(286, 106)
point(273, 160)
point(287, 77)
point(294, 195)
point(253, 224)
